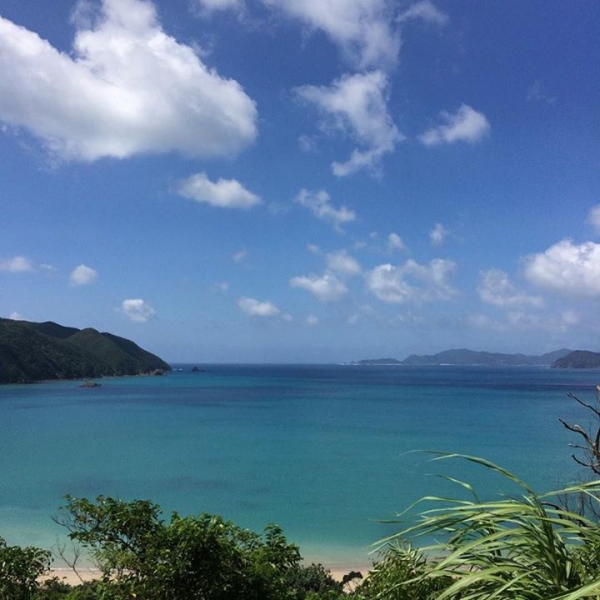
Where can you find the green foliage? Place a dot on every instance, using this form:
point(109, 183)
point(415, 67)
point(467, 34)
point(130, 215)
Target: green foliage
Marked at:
point(20, 569)
point(191, 558)
point(525, 548)
point(36, 351)
point(311, 582)
point(401, 574)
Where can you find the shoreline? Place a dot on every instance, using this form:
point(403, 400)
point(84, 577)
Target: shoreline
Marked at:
point(86, 573)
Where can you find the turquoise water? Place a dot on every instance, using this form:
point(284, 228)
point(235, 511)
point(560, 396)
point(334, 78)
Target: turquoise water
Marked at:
point(324, 451)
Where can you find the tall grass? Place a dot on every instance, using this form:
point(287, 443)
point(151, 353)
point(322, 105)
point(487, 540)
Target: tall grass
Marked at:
point(523, 547)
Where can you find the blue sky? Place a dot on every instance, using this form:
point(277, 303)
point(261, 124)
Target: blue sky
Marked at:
point(303, 181)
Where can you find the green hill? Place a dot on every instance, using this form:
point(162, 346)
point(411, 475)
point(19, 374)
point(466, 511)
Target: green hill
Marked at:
point(39, 351)
point(471, 357)
point(463, 357)
point(579, 359)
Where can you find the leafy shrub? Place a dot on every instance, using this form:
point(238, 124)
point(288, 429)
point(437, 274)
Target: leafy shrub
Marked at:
point(20, 569)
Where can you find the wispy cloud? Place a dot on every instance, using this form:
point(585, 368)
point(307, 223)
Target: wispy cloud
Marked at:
point(362, 29)
point(594, 218)
point(395, 242)
point(495, 288)
point(356, 106)
point(320, 206)
point(17, 264)
point(426, 11)
point(343, 264)
point(535, 93)
point(465, 125)
point(224, 193)
point(438, 235)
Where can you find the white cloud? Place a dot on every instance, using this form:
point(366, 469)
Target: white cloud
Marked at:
point(465, 125)
point(208, 7)
point(83, 275)
point(567, 268)
point(225, 193)
point(239, 256)
point(426, 11)
point(412, 282)
point(356, 106)
point(438, 234)
point(495, 288)
point(594, 218)
point(326, 288)
point(255, 308)
point(362, 29)
point(220, 286)
point(15, 316)
point(137, 310)
point(343, 264)
point(17, 264)
point(312, 320)
point(395, 242)
point(126, 88)
point(318, 203)
point(536, 94)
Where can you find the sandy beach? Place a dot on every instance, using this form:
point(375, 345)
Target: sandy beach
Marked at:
point(67, 575)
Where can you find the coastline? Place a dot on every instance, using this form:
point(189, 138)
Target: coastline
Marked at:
point(84, 574)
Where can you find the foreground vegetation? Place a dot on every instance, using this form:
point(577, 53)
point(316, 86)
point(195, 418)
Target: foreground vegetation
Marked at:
point(526, 546)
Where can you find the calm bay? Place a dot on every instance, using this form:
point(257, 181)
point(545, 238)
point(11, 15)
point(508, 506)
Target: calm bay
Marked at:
point(326, 451)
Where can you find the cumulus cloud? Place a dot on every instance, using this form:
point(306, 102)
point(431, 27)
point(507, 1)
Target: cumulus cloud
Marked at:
point(17, 264)
point(465, 125)
point(319, 204)
point(15, 316)
point(126, 88)
point(426, 11)
point(594, 218)
point(566, 268)
point(395, 242)
point(343, 264)
point(83, 275)
point(326, 288)
point(255, 308)
point(356, 106)
point(412, 282)
point(496, 289)
point(362, 29)
point(224, 193)
point(438, 234)
point(137, 310)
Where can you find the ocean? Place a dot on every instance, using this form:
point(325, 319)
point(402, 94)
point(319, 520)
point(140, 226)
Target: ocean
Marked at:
point(328, 452)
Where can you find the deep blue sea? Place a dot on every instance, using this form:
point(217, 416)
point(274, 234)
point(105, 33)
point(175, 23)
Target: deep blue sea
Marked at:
point(327, 452)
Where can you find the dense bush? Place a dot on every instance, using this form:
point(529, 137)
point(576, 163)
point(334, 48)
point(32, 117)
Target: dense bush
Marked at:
point(20, 569)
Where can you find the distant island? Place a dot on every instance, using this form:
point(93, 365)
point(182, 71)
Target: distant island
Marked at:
point(461, 357)
point(579, 359)
point(32, 352)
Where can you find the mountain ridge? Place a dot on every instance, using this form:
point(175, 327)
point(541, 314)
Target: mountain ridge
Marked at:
point(465, 357)
point(32, 352)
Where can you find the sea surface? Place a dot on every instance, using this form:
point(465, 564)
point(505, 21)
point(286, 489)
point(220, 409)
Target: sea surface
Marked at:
point(327, 452)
